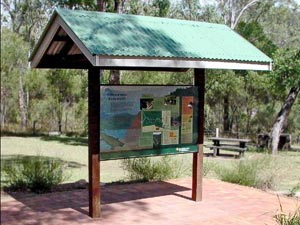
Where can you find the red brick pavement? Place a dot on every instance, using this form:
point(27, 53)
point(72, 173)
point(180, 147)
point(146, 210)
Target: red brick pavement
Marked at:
point(165, 203)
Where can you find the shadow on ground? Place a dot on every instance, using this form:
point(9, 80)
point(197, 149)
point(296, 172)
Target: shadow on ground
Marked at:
point(76, 141)
point(122, 193)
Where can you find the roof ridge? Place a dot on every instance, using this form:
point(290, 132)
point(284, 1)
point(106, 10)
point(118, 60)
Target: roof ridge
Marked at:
point(144, 18)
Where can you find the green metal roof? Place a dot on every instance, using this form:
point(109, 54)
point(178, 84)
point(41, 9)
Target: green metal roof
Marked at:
point(140, 36)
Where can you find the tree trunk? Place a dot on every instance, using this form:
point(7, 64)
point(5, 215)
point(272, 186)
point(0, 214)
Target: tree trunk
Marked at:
point(249, 114)
point(22, 104)
point(66, 120)
point(3, 106)
point(226, 122)
point(101, 5)
point(59, 126)
point(114, 77)
point(281, 118)
point(118, 8)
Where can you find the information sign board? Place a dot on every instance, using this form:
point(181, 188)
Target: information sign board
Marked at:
point(147, 120)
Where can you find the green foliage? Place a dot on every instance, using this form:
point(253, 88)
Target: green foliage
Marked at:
point(147, 169)
point(162, 7)
point(77, 4)
point(27, 18)
point(259, 172)
point(286, 71)
point(56, 99)
point(146, 77)
point(295, 189)
point(279, 22)
point(38, 174)
point(13, 68)
point(292, 218)
point(208, 166)
point(254, 33)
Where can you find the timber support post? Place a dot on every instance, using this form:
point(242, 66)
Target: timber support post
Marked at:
point(199, 80)
point(94, 141)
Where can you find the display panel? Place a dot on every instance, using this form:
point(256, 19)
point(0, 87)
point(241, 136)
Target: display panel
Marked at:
point(147, 120)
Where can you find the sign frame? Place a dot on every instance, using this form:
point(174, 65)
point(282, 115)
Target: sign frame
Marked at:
point(122, 112)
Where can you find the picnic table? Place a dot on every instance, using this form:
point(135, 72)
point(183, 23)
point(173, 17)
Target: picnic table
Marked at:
point(230, 144)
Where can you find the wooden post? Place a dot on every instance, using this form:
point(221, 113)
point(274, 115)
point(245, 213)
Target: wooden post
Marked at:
point(199, 80)
point(94, 141)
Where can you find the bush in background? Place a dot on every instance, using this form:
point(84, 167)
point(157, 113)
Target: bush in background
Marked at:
point(208, 166)
point(148, 169)
point(259, 172)
point(36, 173)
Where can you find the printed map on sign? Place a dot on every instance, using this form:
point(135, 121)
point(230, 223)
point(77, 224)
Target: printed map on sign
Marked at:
point(146, 117)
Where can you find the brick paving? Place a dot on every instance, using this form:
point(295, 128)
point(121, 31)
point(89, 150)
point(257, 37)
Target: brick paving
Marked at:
point(159, 203)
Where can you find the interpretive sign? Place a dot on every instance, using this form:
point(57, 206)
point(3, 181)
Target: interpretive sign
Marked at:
point(147, 120)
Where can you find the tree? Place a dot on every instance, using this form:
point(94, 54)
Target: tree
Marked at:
point(280, 23)
point(286, 77)
point(77, 4)
point(231, 11)
point(26, 17)
point(118, 5)
point(13, 69)
point(162, 7)
point(65, 89)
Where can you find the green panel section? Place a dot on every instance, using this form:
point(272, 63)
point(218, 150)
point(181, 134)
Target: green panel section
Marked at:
point(151, 118)
point(128, 35)
point(148, 152)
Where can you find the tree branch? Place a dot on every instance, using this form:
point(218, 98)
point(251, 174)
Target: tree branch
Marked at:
point(243, 10)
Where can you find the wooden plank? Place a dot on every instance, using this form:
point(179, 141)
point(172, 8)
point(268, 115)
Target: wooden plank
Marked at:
point(227, 147)
point(228, 139)
point(199, 80)
point(69, 61)
point(94, 141)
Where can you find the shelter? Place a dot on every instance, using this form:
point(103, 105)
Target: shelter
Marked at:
point(97, 40)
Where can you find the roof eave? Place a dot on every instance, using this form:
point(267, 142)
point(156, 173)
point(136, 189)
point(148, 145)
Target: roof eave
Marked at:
point(147, 62)
point(42, 37)
point(54, 24)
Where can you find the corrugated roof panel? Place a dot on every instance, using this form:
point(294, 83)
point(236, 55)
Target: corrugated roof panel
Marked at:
point(127, 35)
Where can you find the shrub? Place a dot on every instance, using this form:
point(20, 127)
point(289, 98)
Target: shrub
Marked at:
point(293, 218)
point(295, 189)
point(260, 172)
point(208, 166)
point(38, 174)
point(148, 169)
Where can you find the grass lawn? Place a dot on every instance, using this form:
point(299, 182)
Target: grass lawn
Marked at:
point(75, 152)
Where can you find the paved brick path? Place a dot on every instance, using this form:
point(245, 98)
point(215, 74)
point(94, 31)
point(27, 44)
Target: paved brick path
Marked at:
point(165, 203)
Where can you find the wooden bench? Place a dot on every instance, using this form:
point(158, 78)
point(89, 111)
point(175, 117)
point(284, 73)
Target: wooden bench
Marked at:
point(229, 144)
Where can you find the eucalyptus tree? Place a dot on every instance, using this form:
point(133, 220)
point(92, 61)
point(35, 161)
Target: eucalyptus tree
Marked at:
point(65, 90)
point(13, 68)
point(286, 79)
point(26, 17)
point(282, 24)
